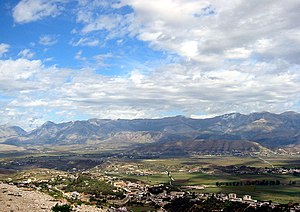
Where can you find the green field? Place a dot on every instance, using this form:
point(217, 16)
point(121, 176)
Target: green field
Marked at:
point(283, 193)
point(276, 161)
point(193, 171)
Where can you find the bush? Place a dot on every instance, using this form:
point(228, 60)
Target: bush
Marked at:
point(88, 185)
point(61, 208)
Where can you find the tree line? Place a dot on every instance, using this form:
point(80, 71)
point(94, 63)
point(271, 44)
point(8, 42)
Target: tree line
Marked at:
point(250, 182)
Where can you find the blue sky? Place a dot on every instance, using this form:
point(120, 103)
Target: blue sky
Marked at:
point(63, 60)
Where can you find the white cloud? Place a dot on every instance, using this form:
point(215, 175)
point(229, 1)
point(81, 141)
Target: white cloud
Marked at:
point(85, 42)
point(206, 31)
point(40, 90)
point(3, 48)
point(26, 53)
point(189, 48)
point(48, 40)
point(93, 3)
point(234, 56)
point(32, 10)
point(105, 22)
point(101, 58)
point(92, 20)
point(28, 85)
point(15, 73)
point(79, 56)
point(238, 53)
point(175, 87)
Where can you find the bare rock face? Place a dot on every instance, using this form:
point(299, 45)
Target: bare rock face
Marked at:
point(13, 198)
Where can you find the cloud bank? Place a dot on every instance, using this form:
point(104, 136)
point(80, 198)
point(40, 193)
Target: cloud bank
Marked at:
point(237, 56)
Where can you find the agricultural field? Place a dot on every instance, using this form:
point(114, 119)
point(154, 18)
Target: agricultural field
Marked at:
point(200, 174)
point(207, 171)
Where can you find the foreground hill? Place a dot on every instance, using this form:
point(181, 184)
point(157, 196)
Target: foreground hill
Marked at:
point(267, 129)
point(18, 199)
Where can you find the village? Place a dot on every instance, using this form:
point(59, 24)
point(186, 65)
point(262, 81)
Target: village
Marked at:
point(106, 192)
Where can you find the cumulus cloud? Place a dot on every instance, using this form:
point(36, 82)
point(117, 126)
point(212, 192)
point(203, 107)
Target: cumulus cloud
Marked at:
point(171, 88)
point(210, 37)
point(32, 10)
point(204, 31)
point(15, 75)
point(177, 87)
point(234, 57)
point(184, 27)
point(3, 48)
point(27, 85)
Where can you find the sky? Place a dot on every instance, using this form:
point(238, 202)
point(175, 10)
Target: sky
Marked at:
point(63, 60)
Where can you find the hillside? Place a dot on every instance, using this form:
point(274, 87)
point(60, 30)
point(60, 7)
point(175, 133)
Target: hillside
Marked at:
point(10, 132)
point(200, 146)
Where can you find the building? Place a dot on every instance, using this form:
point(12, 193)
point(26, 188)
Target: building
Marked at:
point(232, 196)
point(247, 198)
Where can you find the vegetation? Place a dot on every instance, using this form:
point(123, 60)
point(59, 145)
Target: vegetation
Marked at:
point(213, 204)
point(210, 171)
point(61, 208)
point(86, 184)
point(250, 182)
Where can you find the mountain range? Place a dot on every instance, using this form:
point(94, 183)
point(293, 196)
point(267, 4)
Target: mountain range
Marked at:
point(233, 131)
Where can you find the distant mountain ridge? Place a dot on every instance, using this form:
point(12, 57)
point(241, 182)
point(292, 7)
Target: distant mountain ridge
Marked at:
point(10, 131)
point(267, 129)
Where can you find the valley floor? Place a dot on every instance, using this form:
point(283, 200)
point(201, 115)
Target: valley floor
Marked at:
point(116, 181)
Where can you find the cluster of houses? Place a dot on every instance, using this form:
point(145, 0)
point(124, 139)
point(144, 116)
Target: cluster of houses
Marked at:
point(159, 195)
point(262, 170)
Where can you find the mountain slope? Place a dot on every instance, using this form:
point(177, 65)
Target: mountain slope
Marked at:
point(200, 146)
point(267, 129)
point(7, 132)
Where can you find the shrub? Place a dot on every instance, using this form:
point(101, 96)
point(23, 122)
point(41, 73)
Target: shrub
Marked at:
point(61, 208)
